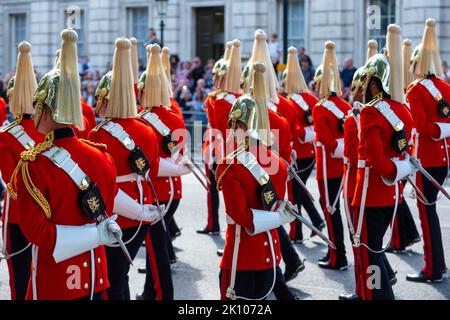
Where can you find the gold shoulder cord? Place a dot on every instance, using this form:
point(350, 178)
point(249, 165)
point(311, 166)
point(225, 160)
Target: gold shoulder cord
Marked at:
point(26, 158)
point(231, 158)
point(12, 124)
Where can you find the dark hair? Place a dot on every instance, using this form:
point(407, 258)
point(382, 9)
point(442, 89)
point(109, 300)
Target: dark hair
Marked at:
point(377, 81)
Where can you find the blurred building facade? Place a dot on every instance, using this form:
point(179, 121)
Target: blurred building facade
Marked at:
point(200, 27)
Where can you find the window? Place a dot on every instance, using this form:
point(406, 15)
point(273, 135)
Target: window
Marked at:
point(387, 10)
point(80, 27)
point(18, 25)
point(296, 23)
point(138, 27)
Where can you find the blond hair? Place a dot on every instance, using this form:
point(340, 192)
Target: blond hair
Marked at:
point(407, 74)
point(395, 57)
point(234, 72)
point(135, 59)
point(122, 99)
point(295, 81)
point(68, 109)
point(331, 81)
point(21, 99)
point(157, 87)
point(261, 54)
point(372, 48)
point(259, 94)
point(429, 58)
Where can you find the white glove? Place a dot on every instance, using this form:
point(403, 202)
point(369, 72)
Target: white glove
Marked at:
point(445, 130)
point(339, 151)
point(269, 220)
point(404, 169)
point(168, 168)
point(72, 241)
point(310, 135)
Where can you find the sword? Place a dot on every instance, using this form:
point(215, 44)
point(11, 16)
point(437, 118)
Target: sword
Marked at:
point(293, 211)
point(416, 164)
point(293, 174)
point(417, 191)
point(123, 247)
point(188, 163)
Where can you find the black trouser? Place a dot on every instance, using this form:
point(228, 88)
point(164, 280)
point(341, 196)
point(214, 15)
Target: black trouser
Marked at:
point(301, 198)
point(99, 296)
point(334, 222)
point(19, 266)
point(377, 222)
point(170, 223)
point(158, 279)
point(431, 229)
point(212, 200)
point(118, 265)
point(288, 252)
point(248, 284)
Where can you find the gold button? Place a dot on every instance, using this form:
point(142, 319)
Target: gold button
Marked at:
point(145, 199)
point(86, 286)
point(85, 264)
point(266, 244)
point(99, 260)
point(101, 281)
point(276, 242)
point(167, 180)
point(268, 260)
point(176, 179)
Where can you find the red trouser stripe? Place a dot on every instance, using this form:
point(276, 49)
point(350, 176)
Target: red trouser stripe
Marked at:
point(153, 266)
point(330, 228)
point(427, 248)
point(395, 242)
point(210, 225)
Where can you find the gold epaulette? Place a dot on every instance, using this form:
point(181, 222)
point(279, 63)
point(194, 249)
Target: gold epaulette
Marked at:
point(100, 146)
point(214, 93)
point(101, 124)
point(373, 102)
point(11, 125)
point(25, 158)
point(228, 161)
point(321, 101)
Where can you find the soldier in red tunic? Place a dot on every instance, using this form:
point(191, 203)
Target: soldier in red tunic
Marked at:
point(134, 149)
point(252, 178)
point(170, 134)
point(328, 117)
point(3, 113)
point(303, 102)
point(386, 127)
point(227, 76)
point(64, 195)
point(429, 99)
point(19, 136)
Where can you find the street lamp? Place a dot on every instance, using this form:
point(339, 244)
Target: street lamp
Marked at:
point(161, 8)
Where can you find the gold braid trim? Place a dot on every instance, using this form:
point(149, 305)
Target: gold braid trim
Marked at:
point(100, 146)
point(230, 157)
point(26, 157)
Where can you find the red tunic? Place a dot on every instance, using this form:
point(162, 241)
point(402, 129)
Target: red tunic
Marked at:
point(304, 150)
point(10, 150)
point(326, 125)
point(279, 127)
point(376, 148)
point(70, 279)
point(83, 134)
point(240, 191)
point(3, 111)
point(425, 113)
point(289, 112)
point(351, 140)
point(176, 107)
point(89, 113)
point(144, 138)
point(177, 127)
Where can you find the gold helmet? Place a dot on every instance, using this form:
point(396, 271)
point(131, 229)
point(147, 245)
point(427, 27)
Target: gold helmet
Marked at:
point(378, 66)
point(327, 76)
point(59, 90)
point(22, 86)
point(358, 81)
point(102, 91)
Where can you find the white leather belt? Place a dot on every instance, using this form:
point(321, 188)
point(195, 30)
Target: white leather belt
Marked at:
point(157, 123)
point(362, 164)
point(118, 132)
point(331, 106)
point(24, 139)
point(431, 88)
point(133, 177)
point(62, 159)
point(346, 161)
point(298, 99)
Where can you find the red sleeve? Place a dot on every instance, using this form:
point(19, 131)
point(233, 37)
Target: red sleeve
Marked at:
point(7, 156)
point(235, 199)
point(322, 125)
point(417, 102)
point(34, 224)
point(111, 185)
point(89, 113)
point(373, 145)
point(351, 140)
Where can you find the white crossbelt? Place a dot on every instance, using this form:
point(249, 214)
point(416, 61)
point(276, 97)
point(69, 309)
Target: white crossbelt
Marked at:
point(230, 98)
point(331, 106)
point(272, 106)
point(62, 159)
point(24, 139)
point(298, 99)
point(118, 132)
point(249, 161)
point(385, 109)
point(157, 123)
point(431, 88)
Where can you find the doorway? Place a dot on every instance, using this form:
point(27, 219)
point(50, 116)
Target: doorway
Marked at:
point(210, 25)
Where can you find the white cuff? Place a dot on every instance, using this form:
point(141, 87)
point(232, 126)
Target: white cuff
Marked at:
point(168, 168)
point(445, 130)
point(404, 169)
point(310, 136)
point(72, 241)
point(339, 151)
point(264, 221)
point(126, 207)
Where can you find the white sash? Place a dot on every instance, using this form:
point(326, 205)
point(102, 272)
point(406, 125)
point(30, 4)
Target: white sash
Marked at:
point(21, 136)
point(429, 85)
point(331, 106)
point(118, 132)
point(391, 117)
point(298, 99)
point(157, 123)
